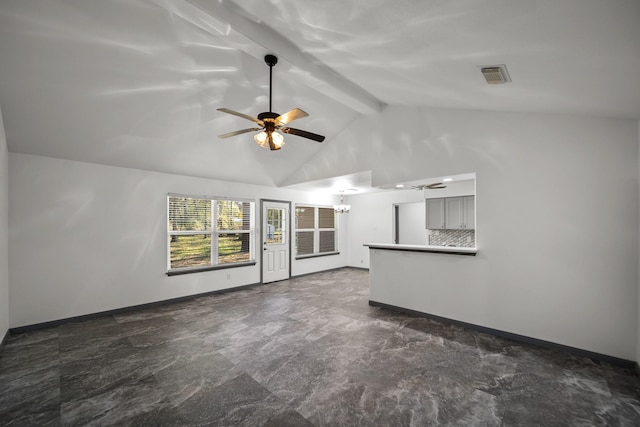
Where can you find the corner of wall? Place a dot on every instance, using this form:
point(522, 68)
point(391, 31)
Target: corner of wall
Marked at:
point(4, 233)
point(638, 304)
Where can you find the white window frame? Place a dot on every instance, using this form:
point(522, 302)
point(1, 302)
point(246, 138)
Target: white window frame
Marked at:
point(214, 234)
point(316, 231)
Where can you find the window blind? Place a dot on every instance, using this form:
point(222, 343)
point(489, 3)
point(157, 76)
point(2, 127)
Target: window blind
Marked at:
point(189, 214)
point(326, 217)
point(233, 215)
point(327, 241)
point(304, 242)
point(305, 217)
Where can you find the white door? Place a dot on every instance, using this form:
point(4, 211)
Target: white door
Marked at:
point(275, 241)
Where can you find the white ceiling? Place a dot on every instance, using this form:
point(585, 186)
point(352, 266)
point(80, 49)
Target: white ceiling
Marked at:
point(136, 83)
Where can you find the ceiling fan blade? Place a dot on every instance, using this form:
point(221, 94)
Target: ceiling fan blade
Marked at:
point(303, 133)
point(244, 116)
point(290, 116)
point(435, 186)
point(238, 132)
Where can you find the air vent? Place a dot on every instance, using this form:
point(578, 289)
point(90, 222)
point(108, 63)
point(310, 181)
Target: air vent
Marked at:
point(495, 74)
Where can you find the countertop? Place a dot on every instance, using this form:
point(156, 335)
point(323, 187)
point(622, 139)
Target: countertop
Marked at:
point(454, 250)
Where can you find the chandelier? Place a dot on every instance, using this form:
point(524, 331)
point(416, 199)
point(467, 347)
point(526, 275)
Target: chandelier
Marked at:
point(342, 208)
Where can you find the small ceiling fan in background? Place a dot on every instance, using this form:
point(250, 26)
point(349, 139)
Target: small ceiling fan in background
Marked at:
point(271, 122)
point(434, 186)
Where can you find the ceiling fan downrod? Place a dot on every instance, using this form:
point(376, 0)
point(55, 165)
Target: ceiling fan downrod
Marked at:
point(271, 61)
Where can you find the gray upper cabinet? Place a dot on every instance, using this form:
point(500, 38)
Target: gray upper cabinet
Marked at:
point(435, 214)
point(454, 209)
point(460, 213)
point(452, 213)
point(469, 212)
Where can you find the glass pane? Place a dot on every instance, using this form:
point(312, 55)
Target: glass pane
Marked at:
point(192, 250)
point(304, 242)
point(305, 217)
point(327, 241)
point(233, 248)
point(233, 215)
point(326, 217)
point(188, 214)
point(275, 226)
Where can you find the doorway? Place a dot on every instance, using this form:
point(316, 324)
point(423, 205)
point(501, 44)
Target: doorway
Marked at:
point(275, 240)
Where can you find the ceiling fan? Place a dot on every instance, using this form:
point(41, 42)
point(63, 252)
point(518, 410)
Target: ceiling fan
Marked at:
point(434, 186)
point(271, 122)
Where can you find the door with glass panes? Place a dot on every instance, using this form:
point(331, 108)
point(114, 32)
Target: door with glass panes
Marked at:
point(275, 241)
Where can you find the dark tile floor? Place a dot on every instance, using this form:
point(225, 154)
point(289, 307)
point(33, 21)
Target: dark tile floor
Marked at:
point(302, 352)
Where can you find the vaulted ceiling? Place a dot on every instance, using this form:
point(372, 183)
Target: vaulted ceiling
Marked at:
point(137, 83)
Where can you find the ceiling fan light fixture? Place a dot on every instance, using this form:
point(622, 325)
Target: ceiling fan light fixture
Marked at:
point(278, 140)
point(262, 139)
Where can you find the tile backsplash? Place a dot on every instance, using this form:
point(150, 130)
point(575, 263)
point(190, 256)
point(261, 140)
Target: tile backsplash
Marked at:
point(461, 238)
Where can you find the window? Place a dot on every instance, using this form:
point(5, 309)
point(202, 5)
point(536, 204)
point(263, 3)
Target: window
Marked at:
point(275, 226)
point(207, 233)
point(315, 231)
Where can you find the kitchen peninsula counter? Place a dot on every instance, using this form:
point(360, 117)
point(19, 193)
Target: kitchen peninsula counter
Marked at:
point(452, 250)
point(428, 280)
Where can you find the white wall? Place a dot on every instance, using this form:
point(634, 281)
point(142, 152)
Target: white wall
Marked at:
point(4, 232)
point(557, 216)
point(410, 221)
point(453, 189)
point(85, 238)
point(371, 220)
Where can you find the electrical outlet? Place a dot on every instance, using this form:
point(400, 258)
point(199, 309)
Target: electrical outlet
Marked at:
point(468, 239)
point(228, 276)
